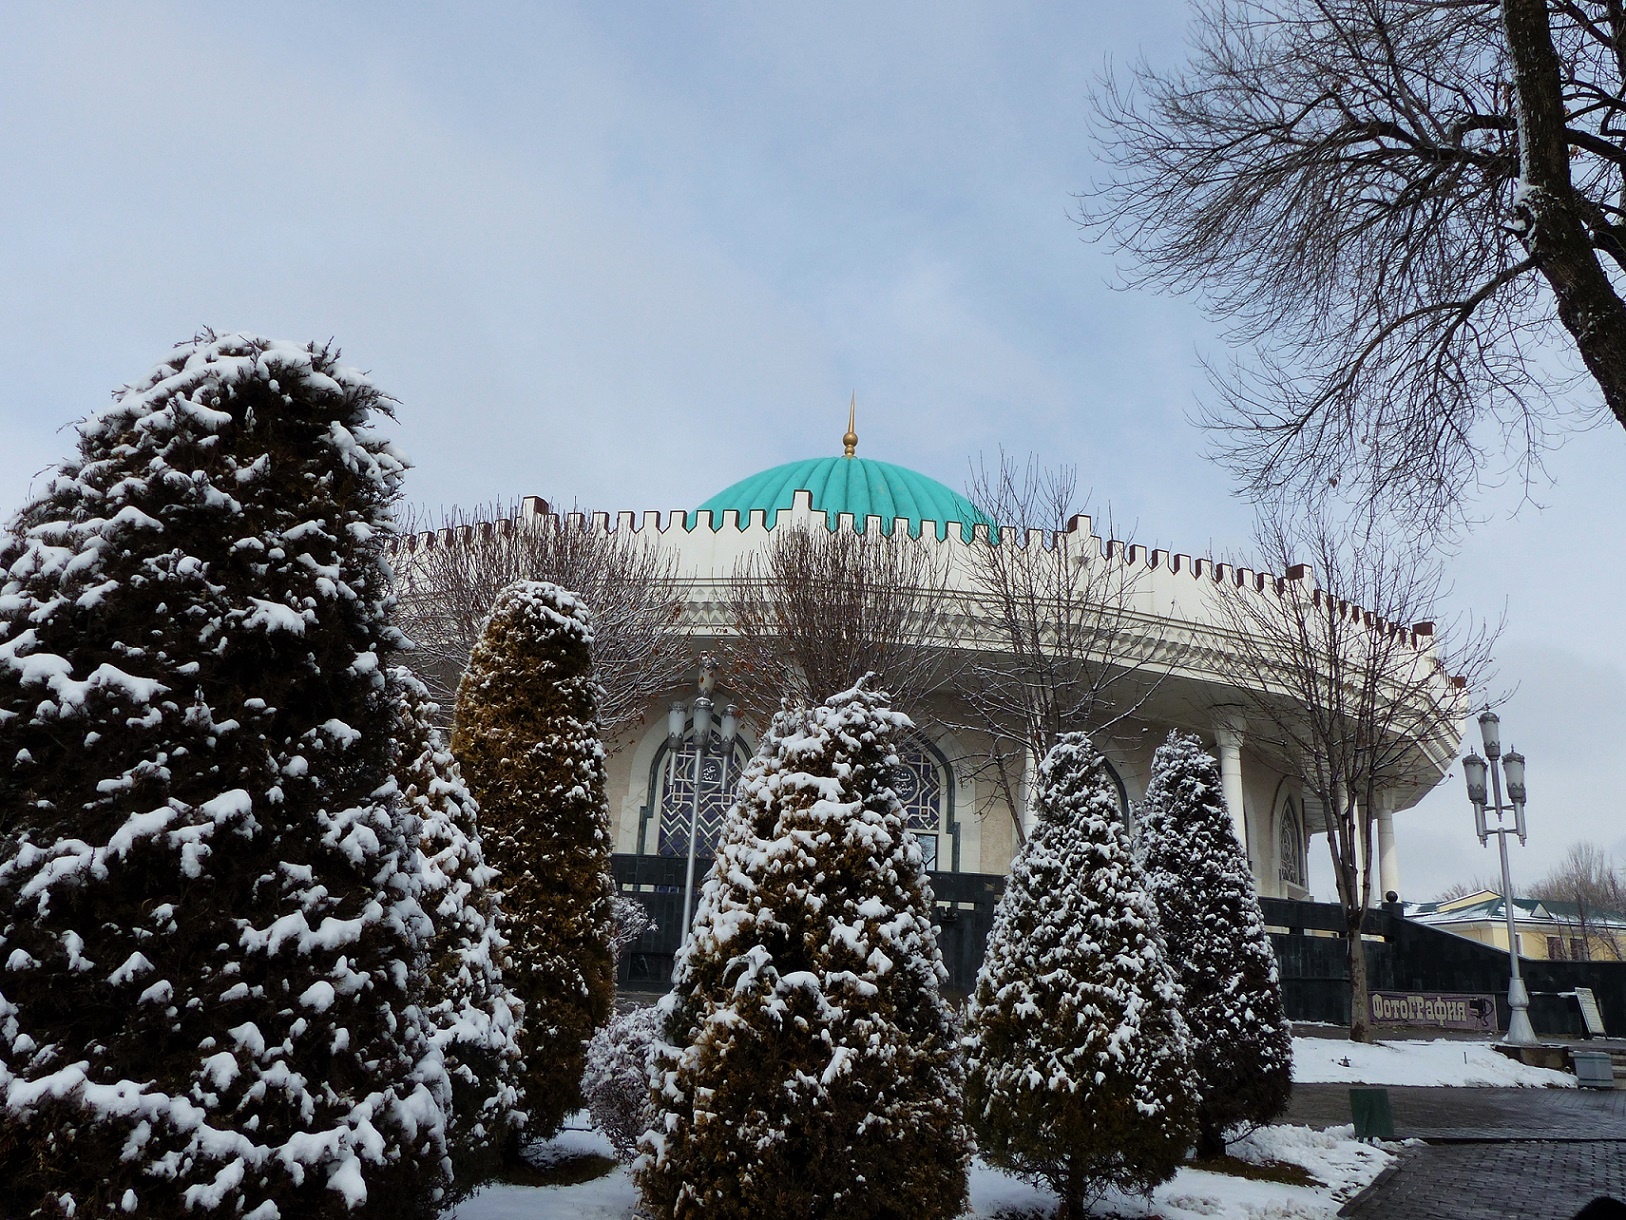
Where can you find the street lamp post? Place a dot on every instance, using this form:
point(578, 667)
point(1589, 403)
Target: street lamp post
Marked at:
point(702, 740)
point(1474, 770)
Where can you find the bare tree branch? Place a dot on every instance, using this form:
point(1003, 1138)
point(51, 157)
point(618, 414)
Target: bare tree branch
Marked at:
point(818, 609)
point(1594, 884)
point(1350, 682)
point(1408, 211)
point(448, 578)
point(1068, 657)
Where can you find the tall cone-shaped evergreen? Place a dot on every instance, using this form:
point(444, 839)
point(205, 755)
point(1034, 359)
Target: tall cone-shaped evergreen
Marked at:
point(526, 737)
point(1242, 1045)
point(473, 1016)
point(1078, 1056)
point(810, 1067)
point(211, 942)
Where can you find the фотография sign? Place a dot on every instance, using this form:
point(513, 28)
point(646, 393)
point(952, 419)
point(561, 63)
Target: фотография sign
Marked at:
point(1440, 1009)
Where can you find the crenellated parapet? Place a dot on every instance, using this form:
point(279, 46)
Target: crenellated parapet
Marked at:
point(709, 548)
point(1178, 626)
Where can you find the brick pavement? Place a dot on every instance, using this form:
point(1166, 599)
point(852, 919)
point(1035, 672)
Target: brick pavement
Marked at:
point(1500, 1181)
point(1445, 1115)
point(1493, 1154)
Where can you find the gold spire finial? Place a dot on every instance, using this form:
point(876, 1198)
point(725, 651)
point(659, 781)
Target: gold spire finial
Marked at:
point(850, 441)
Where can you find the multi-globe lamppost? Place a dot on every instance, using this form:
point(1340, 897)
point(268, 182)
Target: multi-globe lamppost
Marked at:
point(1474, 769)
point(729, 728)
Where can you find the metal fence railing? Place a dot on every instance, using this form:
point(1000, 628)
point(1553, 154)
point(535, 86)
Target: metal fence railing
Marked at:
point(1308, 938)
point(962, 903)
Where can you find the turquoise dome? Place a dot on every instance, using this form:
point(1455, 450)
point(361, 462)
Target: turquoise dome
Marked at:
point(860, 486)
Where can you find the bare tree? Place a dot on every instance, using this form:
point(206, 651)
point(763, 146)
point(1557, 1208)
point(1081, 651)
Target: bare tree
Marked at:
point(1404, 206)
point(1071, 648)
point(449, 577)
point(1587, 872)
point(1589, 880)
point(1340, 681)
point(818, 609)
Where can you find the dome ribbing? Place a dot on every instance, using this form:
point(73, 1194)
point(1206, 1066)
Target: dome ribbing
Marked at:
point(860, 486)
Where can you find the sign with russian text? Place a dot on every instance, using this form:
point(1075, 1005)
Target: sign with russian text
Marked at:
point(1438, 1009)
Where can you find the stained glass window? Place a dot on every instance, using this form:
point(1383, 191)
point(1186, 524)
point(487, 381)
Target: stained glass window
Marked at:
point(919, 782)
point(1292, 845)
point(718, 777)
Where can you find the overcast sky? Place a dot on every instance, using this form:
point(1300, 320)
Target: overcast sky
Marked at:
point(623, 255)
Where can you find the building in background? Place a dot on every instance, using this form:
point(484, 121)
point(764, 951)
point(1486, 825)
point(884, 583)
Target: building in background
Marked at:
point(1548, 930)
point(1168, 631)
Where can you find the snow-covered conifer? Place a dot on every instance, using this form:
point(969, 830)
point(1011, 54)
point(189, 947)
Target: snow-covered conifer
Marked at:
point(810, 1066)
point(1242, 1045)
point(1077, 1054)
point(526, 737)
point(473, 1015)
point(210, 938)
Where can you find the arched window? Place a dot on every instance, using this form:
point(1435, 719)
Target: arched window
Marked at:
point(673, 787)
point(1291, 843)
point(923, 783)
point(1125, 810)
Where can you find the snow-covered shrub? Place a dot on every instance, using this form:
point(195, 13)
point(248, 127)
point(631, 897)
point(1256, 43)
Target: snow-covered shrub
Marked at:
point(809, 1065)
point(526, 737)
point(1242, 1045)
point(616, 1080)
point(211, 944)
point(629, 920)
point(473, 1015)
point(1077, 1056)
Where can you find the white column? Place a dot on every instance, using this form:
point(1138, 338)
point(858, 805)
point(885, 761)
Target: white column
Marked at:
point(1228, 737)
point(1267, 874)
point(1029, 789)
point(1388, 856)
point(1358, 824)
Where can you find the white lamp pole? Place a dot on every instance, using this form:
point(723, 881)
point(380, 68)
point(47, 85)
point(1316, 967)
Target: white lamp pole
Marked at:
point(1474, 770)
point(702, 740)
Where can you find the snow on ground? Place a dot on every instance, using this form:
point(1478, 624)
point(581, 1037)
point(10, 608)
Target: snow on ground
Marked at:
point(1437, 1061)
point(1340, 1164)
point(1333, 1157)
point(611, 1197)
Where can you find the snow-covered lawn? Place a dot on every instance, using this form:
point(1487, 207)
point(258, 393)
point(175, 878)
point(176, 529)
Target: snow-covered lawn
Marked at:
point(1340, 1165)
point(1435, 1061)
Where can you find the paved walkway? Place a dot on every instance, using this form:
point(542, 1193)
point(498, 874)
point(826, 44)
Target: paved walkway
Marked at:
point(1506, 1181)
point(1493, 1154)
point(1458, 1115)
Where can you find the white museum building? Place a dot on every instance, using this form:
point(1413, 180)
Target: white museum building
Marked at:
point(1170, 626)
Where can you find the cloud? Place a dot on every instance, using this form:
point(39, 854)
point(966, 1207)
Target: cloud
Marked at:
point(1569, 722)
point(549, 230)
point(626, 255)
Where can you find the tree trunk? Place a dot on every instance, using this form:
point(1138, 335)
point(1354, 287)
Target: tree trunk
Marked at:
point(513, 1149)
point(1210, 1140)
point(1588, 305)
point(1359, 997)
